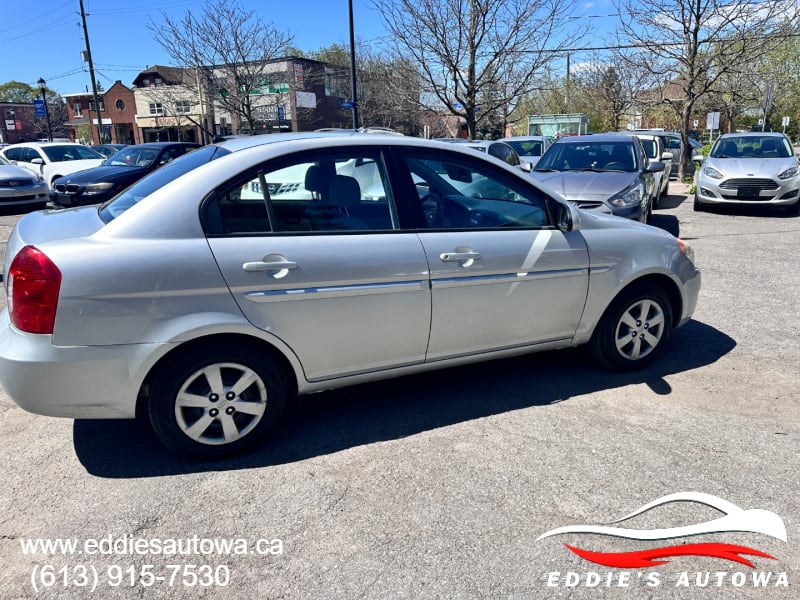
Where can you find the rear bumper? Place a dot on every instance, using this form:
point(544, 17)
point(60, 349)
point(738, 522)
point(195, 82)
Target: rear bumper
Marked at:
point(80, 382)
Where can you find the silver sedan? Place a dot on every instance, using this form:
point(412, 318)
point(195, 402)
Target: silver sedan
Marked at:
point(20, 187)
point(750, 169)
point(296, 263)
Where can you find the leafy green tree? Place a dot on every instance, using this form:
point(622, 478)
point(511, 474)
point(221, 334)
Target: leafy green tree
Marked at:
point(22, 93)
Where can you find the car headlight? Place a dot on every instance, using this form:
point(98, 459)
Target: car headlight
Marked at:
point(629, 197)
point(788, 173)
point(712, 172)
point(97, 188)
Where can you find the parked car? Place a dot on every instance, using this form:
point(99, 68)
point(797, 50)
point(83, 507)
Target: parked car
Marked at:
point(759, 169)
point(497, 149)
point(529, 147)
point(108, 149)
point(654, 149)
point(604, 173)
point(52, 160)
point(20, 187)
point(116, 173)
point(672, 144)
point(209, 311)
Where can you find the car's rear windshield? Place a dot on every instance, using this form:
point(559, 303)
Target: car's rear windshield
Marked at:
point(158, 179)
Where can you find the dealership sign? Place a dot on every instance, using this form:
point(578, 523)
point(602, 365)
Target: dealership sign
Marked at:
point(734, 520)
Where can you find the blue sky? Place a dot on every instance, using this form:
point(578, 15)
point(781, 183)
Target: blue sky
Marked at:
point(47, 41)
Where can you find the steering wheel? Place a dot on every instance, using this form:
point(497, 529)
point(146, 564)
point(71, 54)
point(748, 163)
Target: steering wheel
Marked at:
point(433, 207)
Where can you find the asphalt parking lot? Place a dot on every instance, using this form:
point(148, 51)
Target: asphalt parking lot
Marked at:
point(440, 485)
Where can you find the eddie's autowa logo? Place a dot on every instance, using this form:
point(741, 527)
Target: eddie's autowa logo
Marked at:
point(733, 520)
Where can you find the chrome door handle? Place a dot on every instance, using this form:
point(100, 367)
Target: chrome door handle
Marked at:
point(275, 265)
point(281, 267)
point(459, 256)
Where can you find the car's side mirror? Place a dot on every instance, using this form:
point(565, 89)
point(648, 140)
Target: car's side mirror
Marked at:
point(566, 215)
point(37, 161)
point(667, 156)
point(526, 167)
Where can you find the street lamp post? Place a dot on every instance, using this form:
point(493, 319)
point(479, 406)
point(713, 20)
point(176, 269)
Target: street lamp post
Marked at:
point(43, 86)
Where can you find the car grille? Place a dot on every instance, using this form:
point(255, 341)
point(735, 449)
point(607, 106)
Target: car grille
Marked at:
point(750, 182)
point(70, 188)
point(748, 189)
point(16, 183)
point(588, 204)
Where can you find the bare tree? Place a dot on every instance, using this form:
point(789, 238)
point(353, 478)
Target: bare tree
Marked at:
point(476, 57)
point(233, 44)
point(695, 43)
point(611, 91)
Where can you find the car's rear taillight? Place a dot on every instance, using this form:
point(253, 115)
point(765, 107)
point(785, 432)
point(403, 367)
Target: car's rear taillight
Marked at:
point(32, 289)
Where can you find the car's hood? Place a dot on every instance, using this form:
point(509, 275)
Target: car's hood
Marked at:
point(751, 167)
point(14, 172)
point(585, 185)
point(104, 173)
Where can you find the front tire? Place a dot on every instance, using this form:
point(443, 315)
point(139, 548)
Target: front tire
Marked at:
point(217, 400)
point(697, 205)
point(634, 329)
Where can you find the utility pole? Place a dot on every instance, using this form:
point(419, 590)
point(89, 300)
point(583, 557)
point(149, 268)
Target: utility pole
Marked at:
point(91, 75)
point(353, 67)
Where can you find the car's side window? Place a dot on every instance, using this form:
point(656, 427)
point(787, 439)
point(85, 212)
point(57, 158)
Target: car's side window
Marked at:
point(455, 193)
point(346, 191)
point(29, 154)
point(14, 154)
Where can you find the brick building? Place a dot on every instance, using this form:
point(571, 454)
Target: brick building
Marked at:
point(117, 116)
point(17, 123)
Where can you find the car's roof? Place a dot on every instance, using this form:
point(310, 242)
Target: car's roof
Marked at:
point(47, 144)
point(159, 144)
point(595, 137)
point(758, 134)
point(524, 138)
point(647, 136)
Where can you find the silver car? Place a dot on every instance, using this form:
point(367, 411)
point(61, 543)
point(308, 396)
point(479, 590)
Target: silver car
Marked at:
point(604, 173)
point(209, 302)
point(20, 187)
point(758, 169)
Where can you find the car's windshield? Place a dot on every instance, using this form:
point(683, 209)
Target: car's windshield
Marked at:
point(752, 147)
point(527, 148)
point(69, 152)
point(133, 156)
point(157, 179)
point(589, 156)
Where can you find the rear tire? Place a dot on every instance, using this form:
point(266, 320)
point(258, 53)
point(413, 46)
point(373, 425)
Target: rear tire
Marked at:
point(217, 400)
point(634, 328)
